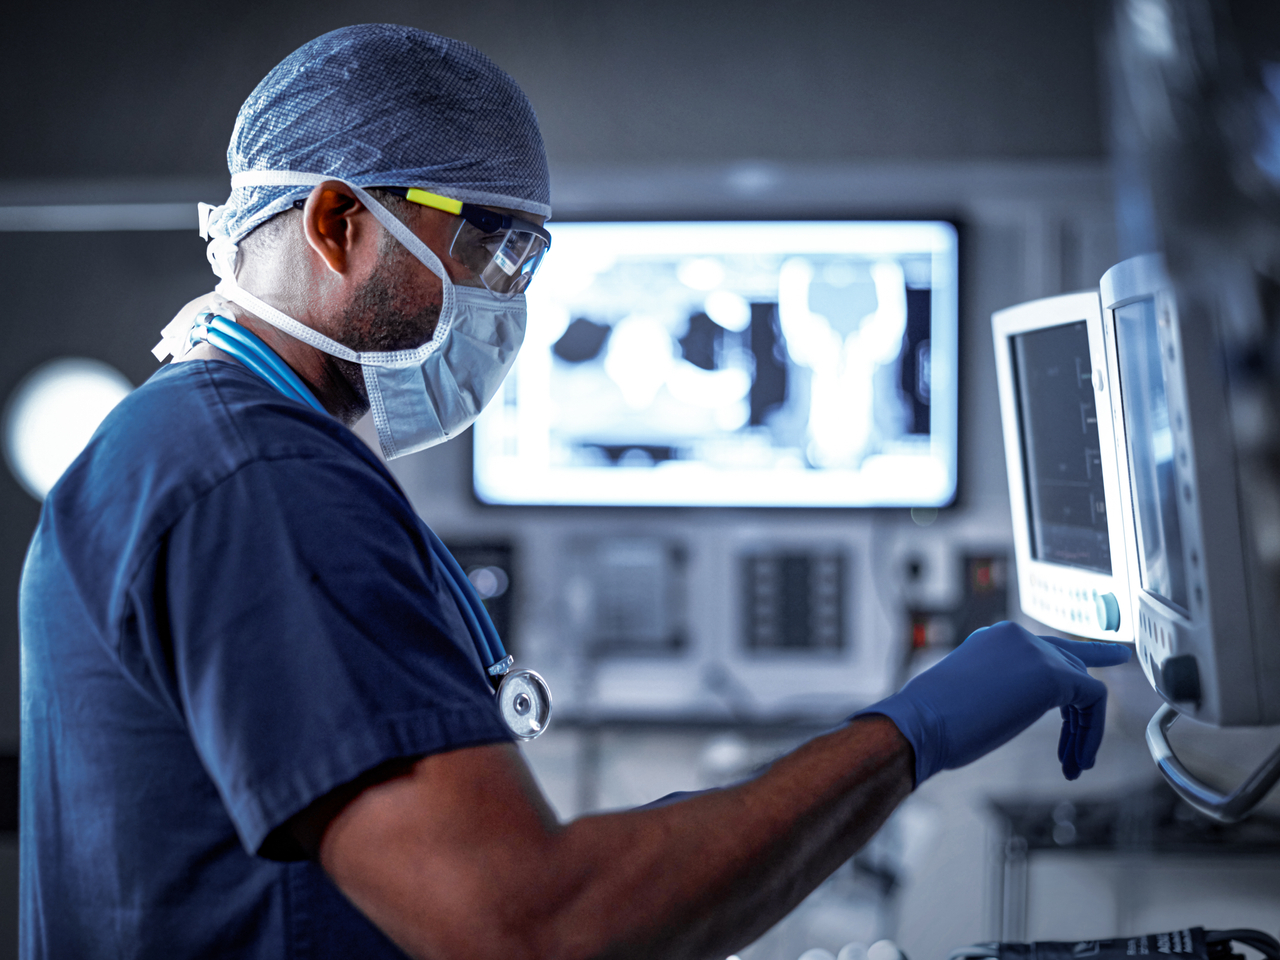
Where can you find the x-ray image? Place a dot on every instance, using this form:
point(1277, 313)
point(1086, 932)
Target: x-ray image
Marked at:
point(769, 364)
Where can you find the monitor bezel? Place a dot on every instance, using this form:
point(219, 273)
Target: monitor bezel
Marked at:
point(1059, 595)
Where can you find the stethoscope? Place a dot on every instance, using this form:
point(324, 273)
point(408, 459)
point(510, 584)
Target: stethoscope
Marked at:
point(524, 700)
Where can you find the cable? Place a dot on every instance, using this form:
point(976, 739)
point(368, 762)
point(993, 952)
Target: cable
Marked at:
point(234, 349)
point(1264, 943)
point(245, 337)
point(465, 593)
point(1216, 946)
point(462, 601)
point(236, 341)
point(243, 345)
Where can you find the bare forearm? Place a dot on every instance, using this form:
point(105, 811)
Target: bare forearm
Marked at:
point(460, 856)
point(705, 876)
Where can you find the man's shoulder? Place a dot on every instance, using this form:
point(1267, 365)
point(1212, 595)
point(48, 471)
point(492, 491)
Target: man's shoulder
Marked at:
point(220, 415)
point(190, 428)
point(194, 433)
point(213, 417)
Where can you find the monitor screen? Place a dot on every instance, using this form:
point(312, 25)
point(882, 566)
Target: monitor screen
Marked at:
point(781, 364)
point(1062, 456)
point(1150, 442)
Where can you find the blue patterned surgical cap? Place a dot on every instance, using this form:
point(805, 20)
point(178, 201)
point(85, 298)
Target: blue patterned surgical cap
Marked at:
point(383, 105)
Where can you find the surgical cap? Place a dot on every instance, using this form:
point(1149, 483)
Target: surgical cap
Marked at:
point(379, 105)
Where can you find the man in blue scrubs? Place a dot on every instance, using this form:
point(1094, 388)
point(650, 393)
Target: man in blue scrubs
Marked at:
point(254, 722)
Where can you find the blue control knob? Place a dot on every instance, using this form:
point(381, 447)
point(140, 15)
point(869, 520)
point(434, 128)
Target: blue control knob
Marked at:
point(1108, 608)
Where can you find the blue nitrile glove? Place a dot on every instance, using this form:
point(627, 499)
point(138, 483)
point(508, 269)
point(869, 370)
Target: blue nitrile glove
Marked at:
point(995, 685)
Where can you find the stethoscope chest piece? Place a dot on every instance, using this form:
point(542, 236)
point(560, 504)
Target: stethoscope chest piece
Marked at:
point(525, 702)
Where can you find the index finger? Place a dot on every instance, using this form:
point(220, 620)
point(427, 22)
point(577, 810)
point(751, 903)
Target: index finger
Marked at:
point(1092, 653)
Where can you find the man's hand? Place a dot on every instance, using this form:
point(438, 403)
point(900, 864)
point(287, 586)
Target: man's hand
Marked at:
point(459, 855)
point(995, 685)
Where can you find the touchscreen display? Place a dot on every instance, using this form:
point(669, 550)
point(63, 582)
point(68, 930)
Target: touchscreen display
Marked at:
point(1066, 499)
point(1150, 443)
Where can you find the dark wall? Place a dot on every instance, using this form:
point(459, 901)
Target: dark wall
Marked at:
point(150, 88)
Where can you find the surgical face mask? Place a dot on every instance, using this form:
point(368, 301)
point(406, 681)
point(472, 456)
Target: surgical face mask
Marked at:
point(424, 403)
point(417, 397)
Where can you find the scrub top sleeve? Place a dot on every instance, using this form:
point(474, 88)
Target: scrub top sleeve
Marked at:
point(313, 637)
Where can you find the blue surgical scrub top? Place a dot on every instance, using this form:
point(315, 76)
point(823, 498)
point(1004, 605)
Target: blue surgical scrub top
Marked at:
point(228, 609)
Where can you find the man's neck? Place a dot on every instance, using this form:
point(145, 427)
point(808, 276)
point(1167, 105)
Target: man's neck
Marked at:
point(319, 371)
point(323, 374)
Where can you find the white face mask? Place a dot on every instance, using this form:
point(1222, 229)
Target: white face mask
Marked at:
point(418, 397)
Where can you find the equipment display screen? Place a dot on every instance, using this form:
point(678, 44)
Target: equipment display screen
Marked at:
point(1062, 457)
point(779, 364)
point(1151, 452)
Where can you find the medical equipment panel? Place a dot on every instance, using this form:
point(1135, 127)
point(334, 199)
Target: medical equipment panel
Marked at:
point(1060, 456)
point(983, 599)
point(733, 364)
point(627, 595)
point(669, 623)
point(1195, 598)
point(793, 601)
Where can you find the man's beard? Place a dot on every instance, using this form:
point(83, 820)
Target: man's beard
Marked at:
point(385, 314)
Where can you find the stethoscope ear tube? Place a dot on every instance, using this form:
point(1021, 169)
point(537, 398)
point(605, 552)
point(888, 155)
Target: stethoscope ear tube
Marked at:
point(488, 643)
point(233, 339)
point(523, 696)
point(524, 699)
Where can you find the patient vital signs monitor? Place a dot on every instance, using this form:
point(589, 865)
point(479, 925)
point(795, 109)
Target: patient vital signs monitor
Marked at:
point(1060, 454)
point(1204, 628)
point(1177, 541)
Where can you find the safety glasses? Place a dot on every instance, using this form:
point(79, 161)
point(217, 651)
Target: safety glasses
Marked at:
point(503, 251)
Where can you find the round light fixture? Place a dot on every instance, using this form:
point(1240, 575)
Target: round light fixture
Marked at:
point(51, 415)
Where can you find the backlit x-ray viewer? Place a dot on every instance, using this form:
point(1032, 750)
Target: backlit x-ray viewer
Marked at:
point(727, 363)
point(1060, 454)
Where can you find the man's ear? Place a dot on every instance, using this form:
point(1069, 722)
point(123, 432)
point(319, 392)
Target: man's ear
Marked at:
point(331, 224)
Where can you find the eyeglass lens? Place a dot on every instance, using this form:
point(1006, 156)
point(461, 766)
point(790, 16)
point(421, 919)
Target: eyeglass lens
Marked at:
point(504, 261)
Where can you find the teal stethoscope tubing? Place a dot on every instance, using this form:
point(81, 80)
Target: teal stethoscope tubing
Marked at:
point(234, 340)
point(478, 620)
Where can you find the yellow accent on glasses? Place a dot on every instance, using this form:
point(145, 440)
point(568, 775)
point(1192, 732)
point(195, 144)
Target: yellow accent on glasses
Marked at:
point(503, 251)
point(434, 200)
